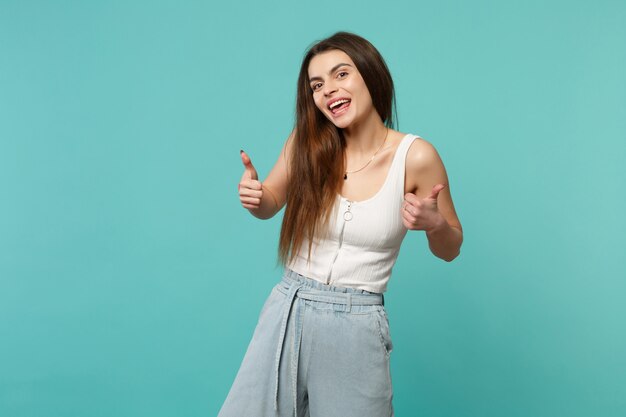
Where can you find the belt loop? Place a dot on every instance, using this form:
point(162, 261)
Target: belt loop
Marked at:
point(349, 302)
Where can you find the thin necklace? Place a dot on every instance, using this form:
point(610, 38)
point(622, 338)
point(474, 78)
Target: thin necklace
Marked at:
point(345, 176)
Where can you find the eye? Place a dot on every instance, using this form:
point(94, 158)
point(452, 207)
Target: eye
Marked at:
point(316, 86)
point(342, 72)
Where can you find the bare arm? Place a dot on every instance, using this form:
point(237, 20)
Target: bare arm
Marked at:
point(430, 207)
point(264, 200)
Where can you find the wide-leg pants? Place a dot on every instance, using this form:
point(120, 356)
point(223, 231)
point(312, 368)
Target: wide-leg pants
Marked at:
point(317, 351)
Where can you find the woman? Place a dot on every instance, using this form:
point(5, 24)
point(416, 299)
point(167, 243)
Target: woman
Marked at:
point(322, 344)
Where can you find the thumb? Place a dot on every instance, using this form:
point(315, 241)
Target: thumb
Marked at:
point(435, 191)
point(250, 171)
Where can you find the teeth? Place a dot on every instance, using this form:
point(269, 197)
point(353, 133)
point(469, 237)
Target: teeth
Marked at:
point(338, 103)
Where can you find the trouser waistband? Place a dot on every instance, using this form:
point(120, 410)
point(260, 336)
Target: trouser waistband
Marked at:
point(311, 289)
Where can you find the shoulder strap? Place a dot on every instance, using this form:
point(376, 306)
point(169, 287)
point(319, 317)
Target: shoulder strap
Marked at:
point(401, 165)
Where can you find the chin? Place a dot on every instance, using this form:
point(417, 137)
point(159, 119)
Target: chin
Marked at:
point(342, 122)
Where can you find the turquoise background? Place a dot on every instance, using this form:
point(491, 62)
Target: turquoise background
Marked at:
point(131, 278)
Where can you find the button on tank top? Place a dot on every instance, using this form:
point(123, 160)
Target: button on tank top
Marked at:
point(364, 237)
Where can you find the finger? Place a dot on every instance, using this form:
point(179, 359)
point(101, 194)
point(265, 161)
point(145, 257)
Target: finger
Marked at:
point(250, 206)
point(250, 171)
point(435, 191)
point(408, 217)
point(409, 222)
point(407, 208)
point(412, 207)
point(411, 198)
point(251, 184)
point(245, 192)
point(250, 200)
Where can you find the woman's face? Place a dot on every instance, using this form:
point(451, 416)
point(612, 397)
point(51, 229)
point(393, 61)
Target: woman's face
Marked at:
point(333, 76)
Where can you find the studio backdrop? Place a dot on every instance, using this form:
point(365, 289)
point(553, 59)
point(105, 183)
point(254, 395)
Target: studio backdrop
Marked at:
point(131, 278)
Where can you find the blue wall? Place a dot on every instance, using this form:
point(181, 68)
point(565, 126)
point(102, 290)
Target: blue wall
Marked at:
point(131, 278)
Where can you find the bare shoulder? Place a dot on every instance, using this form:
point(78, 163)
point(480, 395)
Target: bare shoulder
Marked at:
point(423, 166)
point(421, 154)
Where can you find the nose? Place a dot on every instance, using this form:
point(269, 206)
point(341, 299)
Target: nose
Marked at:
point(329, 87)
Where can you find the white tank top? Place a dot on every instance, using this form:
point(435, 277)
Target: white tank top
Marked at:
point(364, 239)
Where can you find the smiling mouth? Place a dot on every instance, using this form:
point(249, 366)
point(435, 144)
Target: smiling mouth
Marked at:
point(339, 106)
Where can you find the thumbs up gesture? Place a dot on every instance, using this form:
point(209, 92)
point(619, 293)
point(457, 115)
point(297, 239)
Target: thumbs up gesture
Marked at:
point(422, 213)
point(250, 191)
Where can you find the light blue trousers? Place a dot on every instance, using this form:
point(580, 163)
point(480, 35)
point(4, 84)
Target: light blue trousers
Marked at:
point(317, 351)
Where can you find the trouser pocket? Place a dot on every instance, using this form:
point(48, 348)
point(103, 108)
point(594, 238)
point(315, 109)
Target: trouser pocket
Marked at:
point(384, 333)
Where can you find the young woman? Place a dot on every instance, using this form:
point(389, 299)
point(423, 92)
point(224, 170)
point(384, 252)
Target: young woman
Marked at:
point(352, 186)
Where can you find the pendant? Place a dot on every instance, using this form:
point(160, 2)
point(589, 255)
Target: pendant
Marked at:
point(347, 215)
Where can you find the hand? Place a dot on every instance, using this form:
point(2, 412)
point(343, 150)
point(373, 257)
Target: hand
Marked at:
point(422, 214)
point(250, 189)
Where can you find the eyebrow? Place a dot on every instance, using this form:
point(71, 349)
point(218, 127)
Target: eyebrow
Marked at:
point(333, 69)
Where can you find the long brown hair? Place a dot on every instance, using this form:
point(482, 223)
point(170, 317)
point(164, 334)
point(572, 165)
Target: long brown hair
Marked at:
point(316, 166)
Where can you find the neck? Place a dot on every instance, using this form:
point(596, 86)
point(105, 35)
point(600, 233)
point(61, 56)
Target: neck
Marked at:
point(364, 139)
